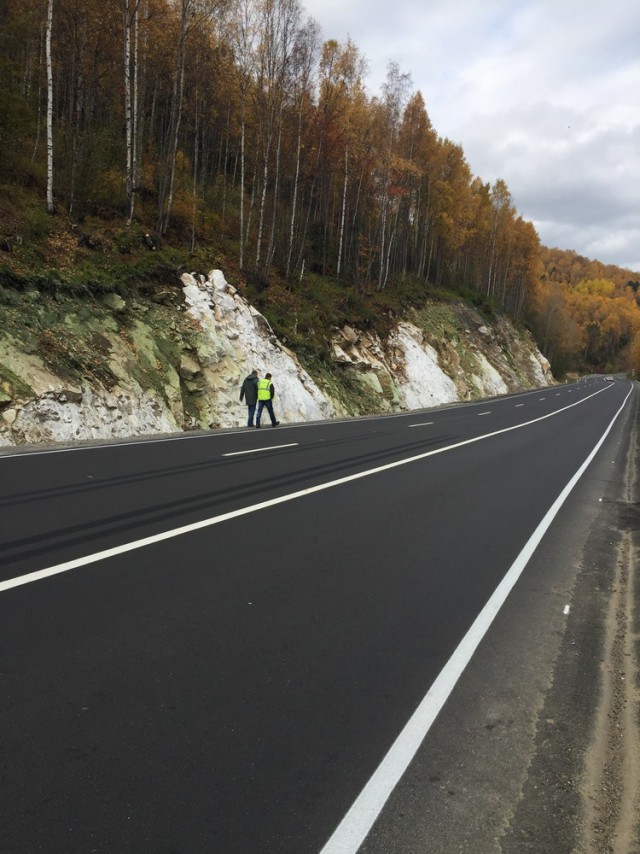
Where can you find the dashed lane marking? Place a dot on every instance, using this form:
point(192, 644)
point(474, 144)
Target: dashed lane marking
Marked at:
point(40, 574)
point(257, 450)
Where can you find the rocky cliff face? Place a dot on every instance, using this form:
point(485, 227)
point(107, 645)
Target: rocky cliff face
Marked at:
point(79, 369)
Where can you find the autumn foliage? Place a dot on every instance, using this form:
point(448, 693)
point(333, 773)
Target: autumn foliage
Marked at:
point(229, 122)
point(586, 314)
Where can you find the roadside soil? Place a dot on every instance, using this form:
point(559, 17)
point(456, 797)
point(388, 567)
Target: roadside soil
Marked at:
point(582, 792)
point(611, 786)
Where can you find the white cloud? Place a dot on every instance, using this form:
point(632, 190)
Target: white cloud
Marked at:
point(542, 93)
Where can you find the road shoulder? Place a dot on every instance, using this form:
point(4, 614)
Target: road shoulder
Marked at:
point(585, 769)
point(512, 764)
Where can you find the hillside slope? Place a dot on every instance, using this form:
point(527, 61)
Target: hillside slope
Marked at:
point(79, 368)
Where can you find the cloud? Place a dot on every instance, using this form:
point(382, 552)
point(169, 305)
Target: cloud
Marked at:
point(541, 93)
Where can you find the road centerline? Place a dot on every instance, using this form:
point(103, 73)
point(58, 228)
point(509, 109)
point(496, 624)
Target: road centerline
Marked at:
point(134, 545)
point(258, 450)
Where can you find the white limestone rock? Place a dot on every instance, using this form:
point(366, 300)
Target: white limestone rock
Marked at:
point(242, 340)
point(424, 383)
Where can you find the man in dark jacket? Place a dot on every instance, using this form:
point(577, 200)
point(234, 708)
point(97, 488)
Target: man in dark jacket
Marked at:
point(249, 393)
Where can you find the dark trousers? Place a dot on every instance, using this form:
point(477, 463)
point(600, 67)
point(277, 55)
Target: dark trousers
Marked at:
point(268, 404)
point(251, 407)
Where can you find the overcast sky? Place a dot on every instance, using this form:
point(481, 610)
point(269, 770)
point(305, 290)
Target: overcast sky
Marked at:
point(542, 93)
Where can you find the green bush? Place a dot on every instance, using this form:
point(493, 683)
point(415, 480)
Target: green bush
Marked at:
point(38, 221)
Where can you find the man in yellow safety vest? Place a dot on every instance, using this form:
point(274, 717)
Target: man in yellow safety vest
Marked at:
point(266, 393)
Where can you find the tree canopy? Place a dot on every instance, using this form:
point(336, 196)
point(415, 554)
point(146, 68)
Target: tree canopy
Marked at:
point(586, 313)
point(229, 122)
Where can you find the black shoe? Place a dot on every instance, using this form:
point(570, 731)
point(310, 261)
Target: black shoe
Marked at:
point(275, 424)
point(258, 425)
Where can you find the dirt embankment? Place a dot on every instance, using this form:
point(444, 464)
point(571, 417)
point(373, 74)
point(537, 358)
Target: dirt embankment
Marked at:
point(611, 788)
point(582, 789)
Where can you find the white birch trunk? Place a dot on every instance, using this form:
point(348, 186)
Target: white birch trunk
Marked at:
point(176, 116)
point(344, 208)
point(37, 142)
point(263, 200)
point(242, 166)
point(295, 195)
point(271, 249)
point(135, 111)
point(383, 230)
point(50, 207)
point(226, 162)
point(174, 145)
point(127, 99)
point(195, 181)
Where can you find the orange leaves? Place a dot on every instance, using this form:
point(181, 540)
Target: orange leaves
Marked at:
point(604, 315)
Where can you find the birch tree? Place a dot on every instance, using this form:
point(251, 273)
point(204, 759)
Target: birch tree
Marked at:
point(130, 14)
point(394, 92)
point(194, 14)
point(279, 22)
point(243, 31)
point(304, 59)
point(50, 206)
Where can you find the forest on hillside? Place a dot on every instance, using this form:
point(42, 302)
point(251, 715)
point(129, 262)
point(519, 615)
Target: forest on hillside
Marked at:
point(231, 123)
point(585, 313)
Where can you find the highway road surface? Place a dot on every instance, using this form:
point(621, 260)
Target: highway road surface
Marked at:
point(323, 637)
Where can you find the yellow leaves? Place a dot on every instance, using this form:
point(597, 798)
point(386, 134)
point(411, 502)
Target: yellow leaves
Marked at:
point(606, 318)
point(596, 287)
point(633, 356)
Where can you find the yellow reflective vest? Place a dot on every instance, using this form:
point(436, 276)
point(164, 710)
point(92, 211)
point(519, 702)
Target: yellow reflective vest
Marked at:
point(264, 389)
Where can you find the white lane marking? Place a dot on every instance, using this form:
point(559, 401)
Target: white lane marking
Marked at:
point(483, 413)
point(519, 404)
point(566, 609)
point(222, 434)
point(354, 827)
point(257, 450)
point(422, 424)
point(39, 574)
point(542, 398)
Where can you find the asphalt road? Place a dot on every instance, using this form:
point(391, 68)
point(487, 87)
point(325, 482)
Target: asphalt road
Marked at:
point(209, 643)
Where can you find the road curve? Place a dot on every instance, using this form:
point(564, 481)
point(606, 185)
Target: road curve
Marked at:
point(211, 643)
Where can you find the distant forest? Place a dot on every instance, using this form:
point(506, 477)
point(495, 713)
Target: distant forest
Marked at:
point(230, 123)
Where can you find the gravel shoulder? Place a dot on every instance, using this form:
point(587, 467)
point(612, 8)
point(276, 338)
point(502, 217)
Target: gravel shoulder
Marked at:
point(585, 772)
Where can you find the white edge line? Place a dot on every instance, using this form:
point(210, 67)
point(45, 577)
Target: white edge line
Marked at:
point(354, 827)
point(230, 432)
point(40, 574)
point(257, 450)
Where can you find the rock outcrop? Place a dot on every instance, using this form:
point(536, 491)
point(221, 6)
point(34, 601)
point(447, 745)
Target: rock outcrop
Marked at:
point(118, 367)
